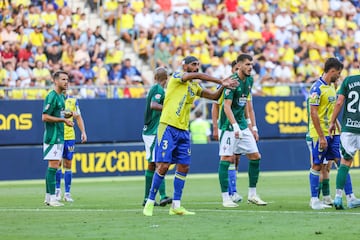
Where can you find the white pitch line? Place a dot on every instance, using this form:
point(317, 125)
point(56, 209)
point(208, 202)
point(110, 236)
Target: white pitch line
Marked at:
point(165, 210)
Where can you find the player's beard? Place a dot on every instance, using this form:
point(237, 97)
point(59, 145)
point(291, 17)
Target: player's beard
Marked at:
point(245, 74)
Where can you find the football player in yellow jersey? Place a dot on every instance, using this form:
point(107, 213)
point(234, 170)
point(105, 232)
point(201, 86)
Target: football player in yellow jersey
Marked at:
point(173, 138)
point(322, 98)
point(72, 108)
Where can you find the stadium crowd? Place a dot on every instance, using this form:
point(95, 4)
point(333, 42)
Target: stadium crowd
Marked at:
point(289, 41)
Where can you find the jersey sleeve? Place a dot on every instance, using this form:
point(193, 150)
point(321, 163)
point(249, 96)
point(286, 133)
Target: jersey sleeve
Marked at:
point(77, 107)
point(314, 98)
point(157, 97)
point(49, 104)
point(228, 93)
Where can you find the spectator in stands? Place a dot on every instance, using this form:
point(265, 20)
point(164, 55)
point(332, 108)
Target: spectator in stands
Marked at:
point(87, 37)
point(143, 21)
point(41, 74)
point(158, 17)
point(125, 24)
point(64, 18)
point(283, 19)
point(177, 59)
point(49, 16)
point(98, 52)
point(200, 129)
point(186, 19)
point(162, 56)
point(110, 12)
point(131, 74)
point(8, 34)
point(81, 55)
point(114, 54)
point(101, 74)
point(53, 53)
point(11, 74)
point(23, 39)
point(88, 90)
point(3, 78)
point(36, 37)
point(176, 39)
point(17, 92)
point(83, 23)
point(76, 76)
point(142, 46)
point(162, 36)
point(51, 36)
point(7, 53)
point(252, 18)
point(114, 74)
point(98, 36)
point(87, 71)
point(67, 56)
point(267, 34)
point(33, 17)
point(33, 93)
point(26, 54)
point(24, 73)
point(174, 20)
point(217, 69)
point(68, 36)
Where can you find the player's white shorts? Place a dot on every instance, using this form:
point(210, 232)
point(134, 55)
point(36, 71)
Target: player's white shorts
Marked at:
point(229, 145)
point(53, 151)
point(150, 142)
point(350, 143)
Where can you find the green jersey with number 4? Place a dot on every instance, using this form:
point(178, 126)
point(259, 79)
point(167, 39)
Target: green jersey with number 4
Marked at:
point(350, 88)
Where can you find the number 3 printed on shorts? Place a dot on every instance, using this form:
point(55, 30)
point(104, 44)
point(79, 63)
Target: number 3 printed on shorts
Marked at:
point(165, 144)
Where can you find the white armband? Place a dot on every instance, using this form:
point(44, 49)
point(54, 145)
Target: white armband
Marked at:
point(248, 120)
point(254, 128)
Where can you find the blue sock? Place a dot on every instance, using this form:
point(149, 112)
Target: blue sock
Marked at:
point(232, 179)
point(314, 178)
point(67, 180)
point(179, 182)
point(156, 182)
point(348, 185)
point(58, 178)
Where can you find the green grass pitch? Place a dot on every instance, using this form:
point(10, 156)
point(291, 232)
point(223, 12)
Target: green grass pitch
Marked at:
point(110, 208)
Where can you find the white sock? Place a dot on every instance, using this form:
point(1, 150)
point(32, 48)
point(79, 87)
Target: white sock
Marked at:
point(252, 192)
point(53, 198)
point(314, 199)
point(225, 196)
point(175, 204)
point(338, 193)
point(47, 197)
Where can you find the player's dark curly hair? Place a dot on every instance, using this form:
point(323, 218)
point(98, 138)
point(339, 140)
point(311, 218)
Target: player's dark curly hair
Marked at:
point(243, 57)
point(333, 63)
